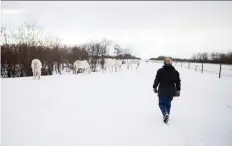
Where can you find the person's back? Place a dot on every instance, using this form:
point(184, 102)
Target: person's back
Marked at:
point(168, 80)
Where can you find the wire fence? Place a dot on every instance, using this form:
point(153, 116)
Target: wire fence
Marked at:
point(222, 70)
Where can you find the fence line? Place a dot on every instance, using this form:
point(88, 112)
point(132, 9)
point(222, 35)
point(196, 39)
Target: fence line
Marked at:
point(220, 69)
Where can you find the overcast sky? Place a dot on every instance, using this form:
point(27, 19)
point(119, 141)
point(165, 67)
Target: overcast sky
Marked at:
point(150, 29)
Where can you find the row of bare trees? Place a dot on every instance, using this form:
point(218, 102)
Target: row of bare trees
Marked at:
point(21, 46)
point(214, 57)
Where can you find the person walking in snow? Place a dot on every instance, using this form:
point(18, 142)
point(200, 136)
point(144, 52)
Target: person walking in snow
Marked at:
point(169, 83)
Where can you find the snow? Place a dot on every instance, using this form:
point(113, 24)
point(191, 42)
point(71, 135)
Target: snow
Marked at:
point(115, 109)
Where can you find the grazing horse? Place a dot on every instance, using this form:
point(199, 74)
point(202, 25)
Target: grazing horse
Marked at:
point(130, 63)
point(78, 64)
point(36, 66)
point(118, 63)
point(109, 63)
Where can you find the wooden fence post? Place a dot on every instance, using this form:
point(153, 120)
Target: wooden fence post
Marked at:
point(202, 67)
point(220, 70)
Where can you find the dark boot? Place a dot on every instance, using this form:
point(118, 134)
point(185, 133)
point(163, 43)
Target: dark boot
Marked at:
point(166, 118)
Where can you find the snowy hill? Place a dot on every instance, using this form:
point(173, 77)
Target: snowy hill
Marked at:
point(115, 109)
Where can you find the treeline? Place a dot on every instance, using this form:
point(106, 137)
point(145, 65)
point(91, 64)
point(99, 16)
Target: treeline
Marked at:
point(27, 43)
point(174, 59)
point(214, 57)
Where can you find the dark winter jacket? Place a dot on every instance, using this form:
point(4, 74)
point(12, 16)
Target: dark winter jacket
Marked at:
point(168, 80)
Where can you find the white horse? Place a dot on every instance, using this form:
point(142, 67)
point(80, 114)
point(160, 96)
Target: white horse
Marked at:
point(109, 63)
point(130, 63)
point(36, 66)
point(81, 65)
point(118, 64)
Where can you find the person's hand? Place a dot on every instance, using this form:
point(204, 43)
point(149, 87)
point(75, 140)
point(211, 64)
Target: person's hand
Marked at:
point(155, 90)
point(177, 93)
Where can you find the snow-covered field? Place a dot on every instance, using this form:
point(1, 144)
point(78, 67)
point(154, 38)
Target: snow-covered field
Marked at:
point(115, 109)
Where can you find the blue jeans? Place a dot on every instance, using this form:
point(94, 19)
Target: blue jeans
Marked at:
point(165, 104)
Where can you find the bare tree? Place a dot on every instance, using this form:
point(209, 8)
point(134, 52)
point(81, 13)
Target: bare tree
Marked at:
point(4, 35)
point(204, 56)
